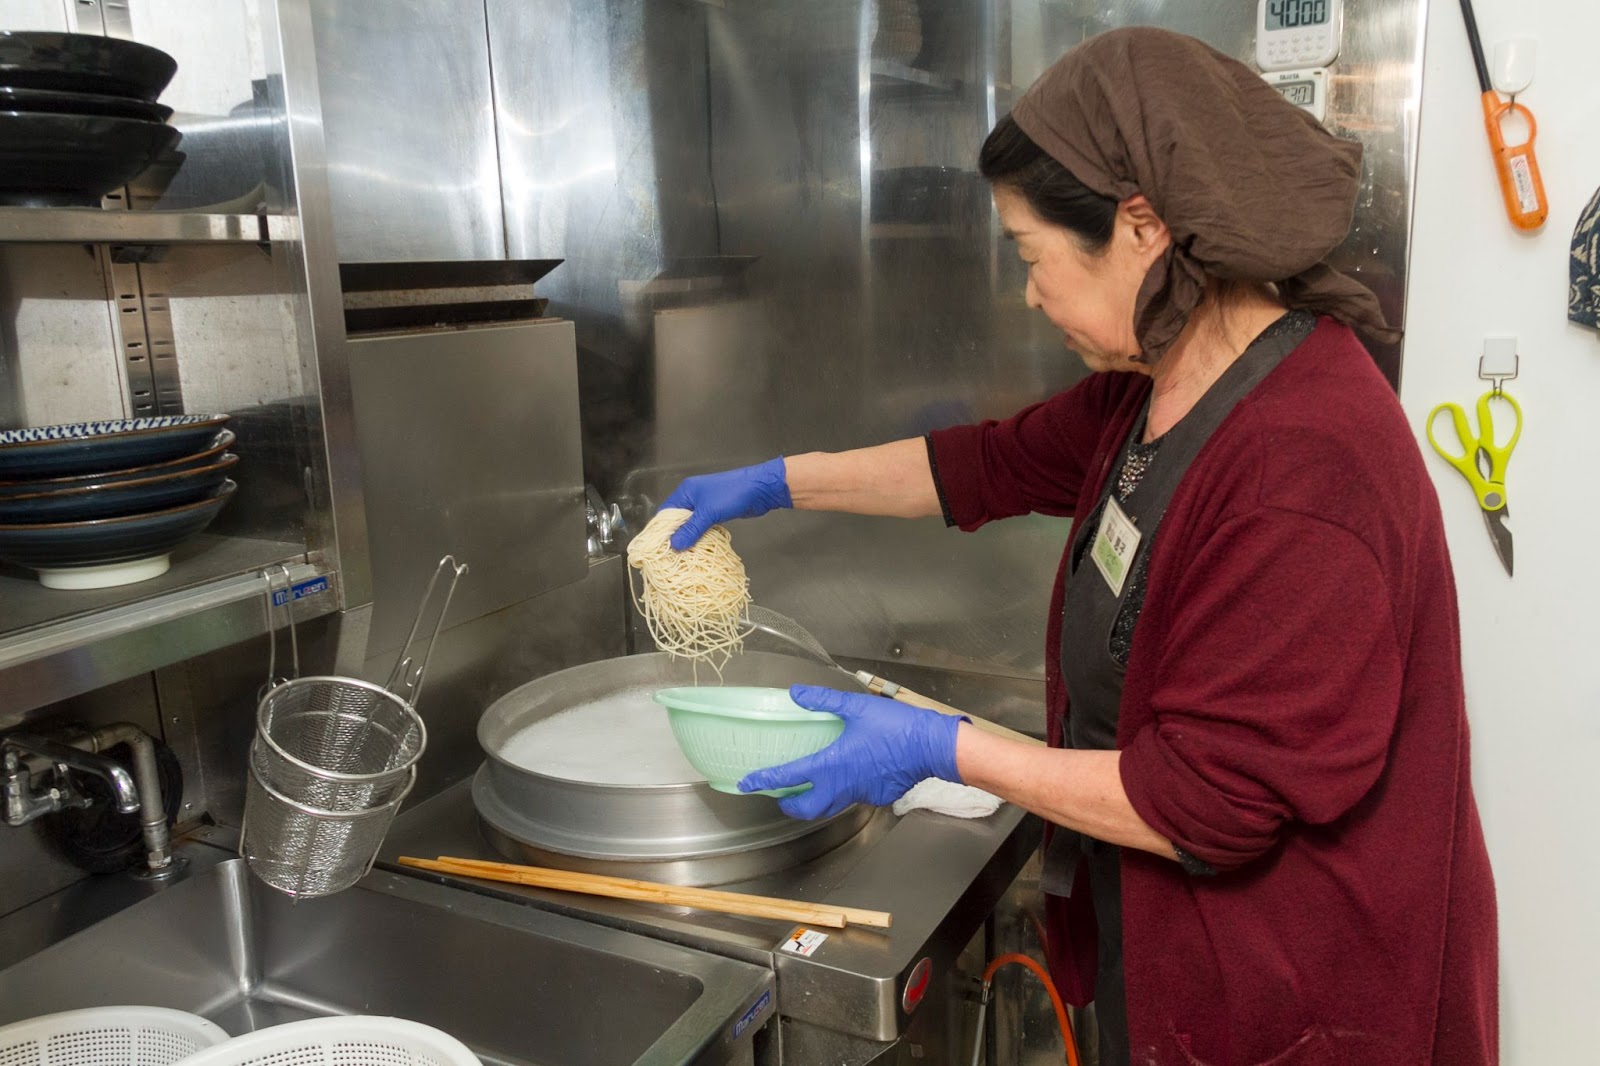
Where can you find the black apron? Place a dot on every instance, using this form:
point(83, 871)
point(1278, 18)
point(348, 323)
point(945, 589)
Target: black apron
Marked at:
point(1097, 630)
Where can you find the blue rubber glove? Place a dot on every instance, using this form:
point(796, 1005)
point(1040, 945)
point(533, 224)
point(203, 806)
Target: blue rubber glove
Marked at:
point(886, 747)
point(748, 492)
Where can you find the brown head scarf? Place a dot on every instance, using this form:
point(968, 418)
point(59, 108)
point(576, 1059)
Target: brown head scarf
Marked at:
point(1252, 187)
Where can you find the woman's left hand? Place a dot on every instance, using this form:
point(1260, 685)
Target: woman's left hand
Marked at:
point(886, 747)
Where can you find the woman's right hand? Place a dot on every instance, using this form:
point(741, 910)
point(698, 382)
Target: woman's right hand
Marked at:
point(744, 493)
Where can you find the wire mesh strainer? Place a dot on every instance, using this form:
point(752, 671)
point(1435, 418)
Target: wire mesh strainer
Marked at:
point(766, 621)
point(307, 851)
point(332, 760)
point(336, 742)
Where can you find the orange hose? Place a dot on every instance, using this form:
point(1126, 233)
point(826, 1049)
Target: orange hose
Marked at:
point(1050, 987)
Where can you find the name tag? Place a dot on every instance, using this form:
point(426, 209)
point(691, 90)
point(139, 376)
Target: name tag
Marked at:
point(1115, 543)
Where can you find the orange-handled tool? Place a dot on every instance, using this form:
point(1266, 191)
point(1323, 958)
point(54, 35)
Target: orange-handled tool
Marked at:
point(1521, 184)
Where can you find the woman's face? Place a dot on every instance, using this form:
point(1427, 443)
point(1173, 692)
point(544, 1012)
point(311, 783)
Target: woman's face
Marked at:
point(1089, 297)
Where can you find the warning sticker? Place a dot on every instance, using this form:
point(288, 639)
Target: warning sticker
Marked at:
point(1522, 181)
point(803, 942)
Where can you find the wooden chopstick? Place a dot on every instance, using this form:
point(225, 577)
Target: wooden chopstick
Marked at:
point(706, 899)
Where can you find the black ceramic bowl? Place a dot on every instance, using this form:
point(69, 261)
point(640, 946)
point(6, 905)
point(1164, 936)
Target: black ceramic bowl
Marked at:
point(83, 63)
point(98, 541)
point(211, 454)
point(64, 103)
point(87, 447)
point(118, 498)
point(50, 159)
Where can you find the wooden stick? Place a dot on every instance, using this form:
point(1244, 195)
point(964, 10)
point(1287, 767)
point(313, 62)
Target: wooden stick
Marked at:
point(856, 915)
point(798, 911)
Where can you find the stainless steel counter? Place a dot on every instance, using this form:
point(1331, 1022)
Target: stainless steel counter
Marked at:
point(940, 877)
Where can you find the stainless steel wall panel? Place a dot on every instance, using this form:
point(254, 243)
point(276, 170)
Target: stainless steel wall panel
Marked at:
point(603, 134)
point(604, 147)
point(786, 158)
point(714, 390)
point(410, 129)
point(469, 445)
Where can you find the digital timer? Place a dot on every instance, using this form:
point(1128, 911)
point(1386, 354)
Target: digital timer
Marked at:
point(1297, 34)
point(1307, 89)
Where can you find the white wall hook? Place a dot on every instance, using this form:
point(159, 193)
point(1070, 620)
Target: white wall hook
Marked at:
point(1512, 68)
point(1500, 361)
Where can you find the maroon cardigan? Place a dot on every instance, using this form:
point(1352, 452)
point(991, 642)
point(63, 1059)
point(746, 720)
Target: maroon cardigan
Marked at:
point(1293, 716)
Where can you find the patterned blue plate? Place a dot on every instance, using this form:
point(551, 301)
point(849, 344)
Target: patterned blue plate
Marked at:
point(212, 454)
point(58, 545)
point(89, 447)
point(137, 496)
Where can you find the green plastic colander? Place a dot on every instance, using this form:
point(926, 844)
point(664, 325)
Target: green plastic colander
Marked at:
point(727, 732)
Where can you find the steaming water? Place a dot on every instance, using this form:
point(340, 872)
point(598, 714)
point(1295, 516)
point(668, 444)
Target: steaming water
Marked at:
point(623, 739)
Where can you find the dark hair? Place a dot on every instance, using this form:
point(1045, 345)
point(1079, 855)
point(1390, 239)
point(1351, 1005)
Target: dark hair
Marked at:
point(1011, 158)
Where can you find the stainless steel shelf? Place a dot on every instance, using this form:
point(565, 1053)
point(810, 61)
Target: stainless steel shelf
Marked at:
point(55, 644)
point(902, 231)
point(897, 77)
point(88, 225)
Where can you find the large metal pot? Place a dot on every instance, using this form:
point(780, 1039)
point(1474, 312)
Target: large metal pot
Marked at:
point(685, 833)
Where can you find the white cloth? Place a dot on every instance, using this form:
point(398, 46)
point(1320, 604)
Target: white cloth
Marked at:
point(947, 797)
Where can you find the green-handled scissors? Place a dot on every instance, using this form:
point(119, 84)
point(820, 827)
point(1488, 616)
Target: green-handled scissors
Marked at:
point(1483, 463)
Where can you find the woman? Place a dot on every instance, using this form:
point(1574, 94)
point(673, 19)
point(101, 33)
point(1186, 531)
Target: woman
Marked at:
point(1258, 773)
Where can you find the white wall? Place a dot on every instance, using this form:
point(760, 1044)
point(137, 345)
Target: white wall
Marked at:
point(1532, 644)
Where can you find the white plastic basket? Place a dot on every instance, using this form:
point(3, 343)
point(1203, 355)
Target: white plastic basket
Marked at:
point(107, 1036)
point(354, 1040)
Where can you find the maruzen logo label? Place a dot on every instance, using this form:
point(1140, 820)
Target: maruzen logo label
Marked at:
point(752, 1014)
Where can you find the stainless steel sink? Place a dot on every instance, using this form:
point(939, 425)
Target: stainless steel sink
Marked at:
point(517, 985)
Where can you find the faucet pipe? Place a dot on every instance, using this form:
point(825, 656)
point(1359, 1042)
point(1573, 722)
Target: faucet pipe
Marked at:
point(138, 793)
point(36, 754)
point(152, 807)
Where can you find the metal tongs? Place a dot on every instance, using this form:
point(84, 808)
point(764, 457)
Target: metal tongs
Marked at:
point(402, 682)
